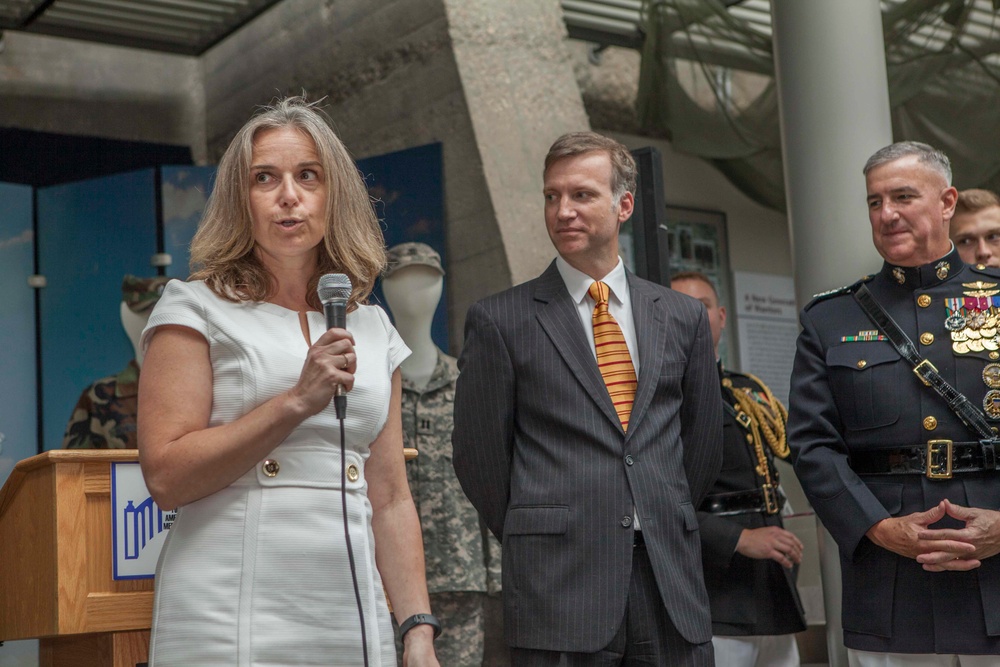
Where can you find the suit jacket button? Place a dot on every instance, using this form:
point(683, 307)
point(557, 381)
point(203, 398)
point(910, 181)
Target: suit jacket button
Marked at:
point(629, 460)
point(924, 300)
point(270, 467)
point(926, 338)
point(626, 521)
point(930, 423)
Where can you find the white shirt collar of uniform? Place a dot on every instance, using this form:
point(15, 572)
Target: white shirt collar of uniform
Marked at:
point(578, 282)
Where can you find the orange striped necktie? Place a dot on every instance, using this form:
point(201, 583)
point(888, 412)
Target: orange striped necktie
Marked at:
point(613, 358)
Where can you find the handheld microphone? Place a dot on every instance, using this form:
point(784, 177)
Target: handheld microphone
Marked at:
point(334, 290)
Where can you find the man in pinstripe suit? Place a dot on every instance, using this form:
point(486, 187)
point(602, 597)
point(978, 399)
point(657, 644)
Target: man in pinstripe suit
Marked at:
point(601, 553)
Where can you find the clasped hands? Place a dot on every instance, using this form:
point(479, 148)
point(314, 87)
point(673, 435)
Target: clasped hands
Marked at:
point(941, 549)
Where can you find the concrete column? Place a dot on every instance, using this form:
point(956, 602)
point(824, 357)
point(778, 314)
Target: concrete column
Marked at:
point(833, 95)
point(834, 107)
point(521, 94)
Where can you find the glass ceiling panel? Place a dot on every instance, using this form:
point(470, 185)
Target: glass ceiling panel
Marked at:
point(177, 26)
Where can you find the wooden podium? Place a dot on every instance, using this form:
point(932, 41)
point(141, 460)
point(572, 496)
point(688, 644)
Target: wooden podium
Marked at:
point(56, 564)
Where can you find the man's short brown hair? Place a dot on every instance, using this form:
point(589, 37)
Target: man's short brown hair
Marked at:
point(623, 170)
point(974, 200)
point(696, 275)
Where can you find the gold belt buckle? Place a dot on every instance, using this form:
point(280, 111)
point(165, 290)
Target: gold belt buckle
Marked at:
point(771, 499)
point(935, 450)
point(916, 371)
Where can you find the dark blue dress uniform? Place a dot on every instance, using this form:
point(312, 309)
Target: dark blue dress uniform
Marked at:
point(857, 409)
point(749, 597)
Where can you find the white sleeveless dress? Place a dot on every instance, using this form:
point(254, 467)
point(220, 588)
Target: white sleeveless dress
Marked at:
point(257, 574)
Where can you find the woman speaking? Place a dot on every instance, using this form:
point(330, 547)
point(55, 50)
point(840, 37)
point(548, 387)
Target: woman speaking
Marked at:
point(238, 431)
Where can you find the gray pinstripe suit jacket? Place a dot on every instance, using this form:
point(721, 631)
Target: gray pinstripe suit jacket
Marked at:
point(541, 453)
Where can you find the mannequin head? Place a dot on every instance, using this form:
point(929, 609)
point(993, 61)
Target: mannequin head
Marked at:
point(412, 287)
point(413, 291)
point(139, 295)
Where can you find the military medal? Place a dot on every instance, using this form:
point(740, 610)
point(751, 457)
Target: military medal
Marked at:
point(899, 275)
point(954, 323)
point(942, 269)
point(991, 403)
point(865, 336)
point(972, 319)
point(991, 375)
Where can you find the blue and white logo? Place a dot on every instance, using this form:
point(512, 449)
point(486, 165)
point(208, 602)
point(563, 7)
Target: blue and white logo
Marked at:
point(139, 525)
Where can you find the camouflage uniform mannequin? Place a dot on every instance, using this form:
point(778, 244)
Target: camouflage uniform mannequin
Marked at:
point(455, 547)
point(104, 416)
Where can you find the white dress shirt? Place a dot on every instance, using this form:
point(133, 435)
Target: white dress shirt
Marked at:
point(619, 305)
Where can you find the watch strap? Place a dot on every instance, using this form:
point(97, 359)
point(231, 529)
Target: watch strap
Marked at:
point(420, 619)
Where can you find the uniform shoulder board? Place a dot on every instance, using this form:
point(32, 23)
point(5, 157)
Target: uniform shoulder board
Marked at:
point(739, 379)
point(745, 380)
point(731, 373)
point(829, 294)
point(990, 271)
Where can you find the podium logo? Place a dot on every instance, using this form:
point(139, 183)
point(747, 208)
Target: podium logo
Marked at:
point(140, 527)
point(142, 523)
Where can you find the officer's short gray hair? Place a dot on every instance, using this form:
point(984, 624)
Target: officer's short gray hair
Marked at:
point(926, 154)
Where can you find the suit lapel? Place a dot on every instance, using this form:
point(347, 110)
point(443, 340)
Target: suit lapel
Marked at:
point(649, 334)
point(561, 322)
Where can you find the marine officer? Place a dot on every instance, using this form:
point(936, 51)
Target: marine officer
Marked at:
point(750, 560)
point(907, 486)
point(975, 227)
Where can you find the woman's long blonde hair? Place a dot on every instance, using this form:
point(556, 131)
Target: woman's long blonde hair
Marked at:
point(222, 251)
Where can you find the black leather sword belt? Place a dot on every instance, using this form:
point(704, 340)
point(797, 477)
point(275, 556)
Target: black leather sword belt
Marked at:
point(923, 368)
point(936, 459)
point(766, 500)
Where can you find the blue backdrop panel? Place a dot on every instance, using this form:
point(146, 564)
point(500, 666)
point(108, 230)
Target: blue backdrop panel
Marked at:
point(410, 202)
point(18, 437)
point(91, 233)
point(185, 193)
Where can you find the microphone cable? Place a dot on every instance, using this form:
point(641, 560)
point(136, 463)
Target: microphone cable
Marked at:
point(340, 403)
point(334, 292)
